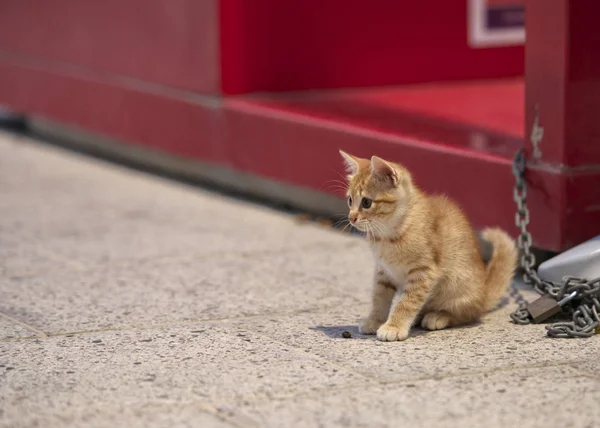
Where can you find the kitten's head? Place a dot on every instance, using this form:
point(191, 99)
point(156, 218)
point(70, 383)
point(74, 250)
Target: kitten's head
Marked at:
point(378, 194)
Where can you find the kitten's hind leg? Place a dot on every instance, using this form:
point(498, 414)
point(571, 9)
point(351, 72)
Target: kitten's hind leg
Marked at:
point(437, 320)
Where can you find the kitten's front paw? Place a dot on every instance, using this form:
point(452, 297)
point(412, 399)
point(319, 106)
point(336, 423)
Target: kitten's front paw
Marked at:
point(388, 333)
point(369, 326)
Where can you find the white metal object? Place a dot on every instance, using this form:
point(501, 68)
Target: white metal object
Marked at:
point(581, 261)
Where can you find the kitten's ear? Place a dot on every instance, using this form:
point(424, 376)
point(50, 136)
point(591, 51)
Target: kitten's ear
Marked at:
point(384, 171)
point(352, 163)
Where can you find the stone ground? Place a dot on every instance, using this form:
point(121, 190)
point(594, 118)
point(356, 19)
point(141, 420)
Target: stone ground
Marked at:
point(129, 300)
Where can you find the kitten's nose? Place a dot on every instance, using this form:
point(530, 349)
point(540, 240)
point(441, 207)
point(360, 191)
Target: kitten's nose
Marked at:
point(352, 217)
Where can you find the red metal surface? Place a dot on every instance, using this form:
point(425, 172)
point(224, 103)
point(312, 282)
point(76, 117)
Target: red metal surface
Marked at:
point(563, 79)
point(481, 116)
point(168, 122)
point(460, 103)
point(456, 138)
point(583, 86)
point(295, 140)
point(471, 164)
point(236, 46)
point(172, 42)
point(581, 207)
point(274, 45)
point(310, 156)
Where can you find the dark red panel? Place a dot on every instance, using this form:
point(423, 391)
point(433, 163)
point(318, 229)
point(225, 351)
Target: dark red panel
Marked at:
point(583, 85)
point(172, 42)
point(563, 78)
point(295, 140)
point(460, 103)
point(468, 116)
point(274, 45)
point(300, 148)
point(582, 207)
point(180, 126)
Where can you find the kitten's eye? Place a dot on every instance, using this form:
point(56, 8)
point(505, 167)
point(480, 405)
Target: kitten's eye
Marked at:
point(350, 202)
point(366, 203)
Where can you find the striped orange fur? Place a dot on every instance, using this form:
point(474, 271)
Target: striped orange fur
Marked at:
point(424, 248)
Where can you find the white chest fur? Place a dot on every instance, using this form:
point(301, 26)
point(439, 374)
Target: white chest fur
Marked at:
point(393, 269)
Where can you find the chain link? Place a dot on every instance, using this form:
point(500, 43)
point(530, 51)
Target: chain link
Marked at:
point(584, 308)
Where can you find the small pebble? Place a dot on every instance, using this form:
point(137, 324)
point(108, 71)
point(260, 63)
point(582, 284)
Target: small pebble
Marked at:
point(325, 222)
point(346, 335)
point(303, 218)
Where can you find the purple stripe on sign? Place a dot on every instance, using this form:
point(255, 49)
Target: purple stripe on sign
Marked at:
point(505, 17)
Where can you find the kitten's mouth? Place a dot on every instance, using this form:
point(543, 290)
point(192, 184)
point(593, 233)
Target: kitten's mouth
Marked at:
point(368, 227)
point(360, 225)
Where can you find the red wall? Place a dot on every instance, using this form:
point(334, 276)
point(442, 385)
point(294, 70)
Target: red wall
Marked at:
point(275, 45)
point(169, 42)
point(240, 46)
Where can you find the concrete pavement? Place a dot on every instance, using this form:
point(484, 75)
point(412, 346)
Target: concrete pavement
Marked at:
point(129, 300)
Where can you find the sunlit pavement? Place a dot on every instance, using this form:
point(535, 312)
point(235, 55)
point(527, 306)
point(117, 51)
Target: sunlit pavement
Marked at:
point(132, 301)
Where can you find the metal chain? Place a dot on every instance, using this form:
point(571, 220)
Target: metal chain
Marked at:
point(584, 308)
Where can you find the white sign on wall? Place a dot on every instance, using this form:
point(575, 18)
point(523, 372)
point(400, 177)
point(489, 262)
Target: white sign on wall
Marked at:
point(496, 23)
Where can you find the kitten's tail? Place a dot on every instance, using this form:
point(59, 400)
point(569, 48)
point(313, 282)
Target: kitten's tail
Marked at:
point(501, 267)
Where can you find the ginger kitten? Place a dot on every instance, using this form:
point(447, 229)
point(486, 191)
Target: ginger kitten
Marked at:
point(424, 248)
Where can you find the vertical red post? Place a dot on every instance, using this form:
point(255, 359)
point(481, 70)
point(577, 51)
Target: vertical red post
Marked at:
point(562, 72)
